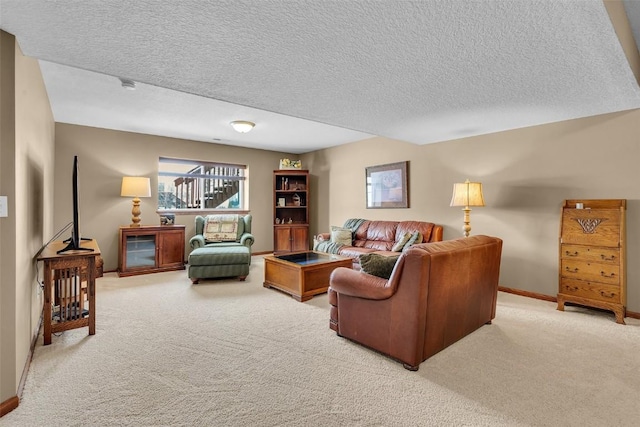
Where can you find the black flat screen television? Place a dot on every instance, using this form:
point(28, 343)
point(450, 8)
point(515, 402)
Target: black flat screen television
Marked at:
point(74, 242)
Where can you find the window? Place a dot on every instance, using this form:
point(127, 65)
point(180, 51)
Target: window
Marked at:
point(194, 184)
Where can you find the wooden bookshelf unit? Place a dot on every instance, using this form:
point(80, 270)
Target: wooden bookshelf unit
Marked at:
point(290, 210)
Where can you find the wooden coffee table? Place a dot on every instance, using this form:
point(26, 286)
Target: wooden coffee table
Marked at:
point(302, 274)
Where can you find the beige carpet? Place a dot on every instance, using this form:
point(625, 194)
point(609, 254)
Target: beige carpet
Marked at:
point(229, 353)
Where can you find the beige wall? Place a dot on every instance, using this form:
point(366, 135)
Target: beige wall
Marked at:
point(526, 175)
point(27, 152)
point(105, 156)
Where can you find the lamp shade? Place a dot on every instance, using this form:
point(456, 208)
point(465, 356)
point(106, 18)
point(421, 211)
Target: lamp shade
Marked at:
point(135, 186)
point(467, 194)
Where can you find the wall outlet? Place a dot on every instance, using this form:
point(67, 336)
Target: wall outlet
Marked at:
point(4, 208)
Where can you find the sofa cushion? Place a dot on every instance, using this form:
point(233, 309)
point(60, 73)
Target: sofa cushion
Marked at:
point(425, 228)
point(221, 228)
point(382, 231)
point(378, 265)
point(354, 252)
point(415, 239)
point(341, 236)
point(399, 245)
point(379, 245)
point(361, 233)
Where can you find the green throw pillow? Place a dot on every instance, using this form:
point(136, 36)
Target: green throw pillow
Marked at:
point(378, 265)
point(400, 243)
point(415, 239)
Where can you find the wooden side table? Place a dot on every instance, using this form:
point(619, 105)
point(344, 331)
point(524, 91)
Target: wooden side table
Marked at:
point(64, 291)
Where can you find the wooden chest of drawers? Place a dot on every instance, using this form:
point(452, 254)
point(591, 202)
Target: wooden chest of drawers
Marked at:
point(592, 255)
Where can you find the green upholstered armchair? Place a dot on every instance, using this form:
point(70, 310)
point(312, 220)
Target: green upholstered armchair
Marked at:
point(245, 238)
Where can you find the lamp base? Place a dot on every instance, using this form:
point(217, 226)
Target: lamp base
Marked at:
point(467, 221)
point(135, 213)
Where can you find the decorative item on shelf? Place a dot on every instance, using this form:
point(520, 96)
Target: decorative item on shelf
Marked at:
point(277, 220)
point(281, 201)
point(167, 219)
point(290, 221)
point(136, 187)
point(290, 164)
point(467, 194)
point(296, 200)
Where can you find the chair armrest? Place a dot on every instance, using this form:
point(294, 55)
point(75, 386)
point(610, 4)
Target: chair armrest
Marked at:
point(247, 239)
point(358, 284)
point(197, 241)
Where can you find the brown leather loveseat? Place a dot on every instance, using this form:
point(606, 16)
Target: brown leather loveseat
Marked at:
point(378, 237)
point(437, 294)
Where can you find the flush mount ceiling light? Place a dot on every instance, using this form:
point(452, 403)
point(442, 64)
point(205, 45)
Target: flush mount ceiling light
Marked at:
point(242, 126)
point(128, 84)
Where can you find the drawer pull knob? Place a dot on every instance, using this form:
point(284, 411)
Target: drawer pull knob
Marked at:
point(567, 253)
point(572, 288)
point(575, 270)
point(608, 258)
point(607, 294)
point(611, 275)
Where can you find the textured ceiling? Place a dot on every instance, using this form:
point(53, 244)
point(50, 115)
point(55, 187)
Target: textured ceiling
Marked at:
point(314, 73)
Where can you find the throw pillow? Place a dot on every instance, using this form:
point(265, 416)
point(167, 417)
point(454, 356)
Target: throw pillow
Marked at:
point(378, 265)
point(400, 243)
point(415, 239)
point(221, 228)
point(341, 236)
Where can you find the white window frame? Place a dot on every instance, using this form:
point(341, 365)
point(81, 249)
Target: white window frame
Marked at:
point(198, 183)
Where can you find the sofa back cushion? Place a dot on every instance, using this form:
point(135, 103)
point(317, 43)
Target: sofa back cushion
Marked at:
point(382, 235)
point(425, 228)
point(360, 235)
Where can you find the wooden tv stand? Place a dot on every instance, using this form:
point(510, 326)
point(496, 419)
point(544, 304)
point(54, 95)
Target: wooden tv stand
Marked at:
point(150, 249)
point(64, 290)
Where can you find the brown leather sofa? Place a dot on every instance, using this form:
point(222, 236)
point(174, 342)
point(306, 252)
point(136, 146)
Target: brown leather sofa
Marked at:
point(380, 236)
point(437, 294)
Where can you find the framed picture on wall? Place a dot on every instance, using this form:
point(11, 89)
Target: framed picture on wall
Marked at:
point(388, 186)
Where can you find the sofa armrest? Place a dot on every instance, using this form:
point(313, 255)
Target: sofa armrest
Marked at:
point(197, 241)
point(247, 239)
point(322, 237)
point(358, 284)
point(436, 234)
